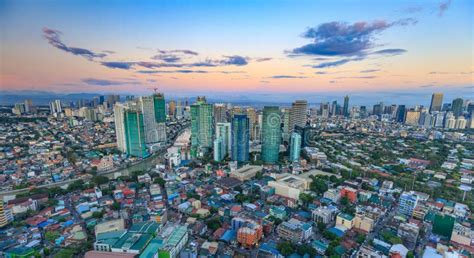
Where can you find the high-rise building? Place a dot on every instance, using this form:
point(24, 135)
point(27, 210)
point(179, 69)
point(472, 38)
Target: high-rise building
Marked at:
point(28, 106)
point(55, 107)
point(202, 126)
point(271, 134)
point(6, 215)
point(219, 150)
point(253, 122)
point(240, 138)
point(159, 107)
point(220, 113)
point(401, 113)
point(295, 147)
point(155, 131)
point(134, 133)
point(333, 110)
point(172, 109)
point(457, 107)
point(179, 110)
point(286, 128)
point(119, 115)
point(346, 106)
point(436, 102)
point(412, 117)
point(223, 131)
point(378, 109)
point(298, 114)
point(407, 204)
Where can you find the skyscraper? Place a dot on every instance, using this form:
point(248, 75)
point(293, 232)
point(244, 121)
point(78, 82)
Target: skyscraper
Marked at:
point(119, 115)
point(436, 102)
point(240, 138)
point(412, 117)
point(346, 106)
point(150, 125)
point(219, 151)
point(286, 129)
point(220, 113)
point(298, 114)
point(401, 112)
point(223, 131)
point(271, 134)
point(55, 107)
point(202, 126)
point(295, 147)
point(407, 204)
point(378, 109)
point(134, 133)
point(159, 107)
point(456, 107)
point(172, 109)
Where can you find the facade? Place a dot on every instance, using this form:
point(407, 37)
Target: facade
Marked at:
point(350, 193)
point(408, 232)
point(297, 114)
point(436, 102)
point(174, 239)
point(250, 234)
point(457, 107)
point(202, 126)
point(6, 215)
point(294, 230)
point(290, 186)
point(323, 214)
point(295, 147)
point(240, 138)
point(407, 204)
point(345, 110)
point(271, 134)
point(401, 113)
point(364, 222)
point(219, 151)
point(153, 121)
point(462, 235)
point(333, 194)
point(223, 131)
point(134, 133)
point(220, 113)
point(159, 107)
point(412, 117)
point(345, 220)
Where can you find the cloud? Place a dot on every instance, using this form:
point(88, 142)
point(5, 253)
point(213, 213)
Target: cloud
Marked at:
point(234, 60)
point(263, 59)
point(54, 39)
point(180, 51)
point(100, 82)
point(370, 71)
point(263, 81)
point(344, 39)
point(390, 51)
point(443, 7)
point(169, 58)
point(413, 9)
point(173, 71)
point(321, 72)
point(357, 77)
point(286, 77)
point(118, 65)
point(338, 62)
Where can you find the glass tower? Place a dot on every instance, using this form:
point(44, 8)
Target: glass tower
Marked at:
point(202, 126)
point(160, 107)
point(295, 147)
point(271, 134)
point(134, 133)
point(240, 138)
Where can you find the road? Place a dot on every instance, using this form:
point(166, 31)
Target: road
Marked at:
point(140, 165)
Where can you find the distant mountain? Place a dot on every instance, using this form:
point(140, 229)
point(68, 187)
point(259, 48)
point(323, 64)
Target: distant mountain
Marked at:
point(40, 97)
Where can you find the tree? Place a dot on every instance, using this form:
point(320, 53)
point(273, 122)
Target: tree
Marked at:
point(51, 236)
point(116, 206)
point(306, 198)
point(321, 226)
point(306, 249)
point(160, 181)
point(214, 224)
point(285, 248)
point(100, 180)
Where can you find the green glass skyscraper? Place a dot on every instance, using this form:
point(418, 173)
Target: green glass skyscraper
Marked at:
point(202, 126)
point(134, 133)
point(456, 107)
point(160, 107)
point(271, 134)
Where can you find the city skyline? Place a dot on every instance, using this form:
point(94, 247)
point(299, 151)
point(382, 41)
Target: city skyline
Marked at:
point(191, 48)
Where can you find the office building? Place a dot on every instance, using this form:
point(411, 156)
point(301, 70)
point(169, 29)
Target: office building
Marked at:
point(345, 110)
point(6, 216)
point(297, 114)
point(202, 127)
point(240, 138)
point(134, 133)
point(159, 107)
point(223, 131)
point(457, 107)
point(119, 115)
point(220, 113)
point(55, 107)
point(378, 109)
point(436, 102)
point(407, 204)
point(295, 147)
point(401, 112)
point(218, 150)
point(271, 134)
point(412, 117)
point(153, 121)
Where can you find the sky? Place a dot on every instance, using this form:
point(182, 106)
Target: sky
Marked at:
point(238, 48)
